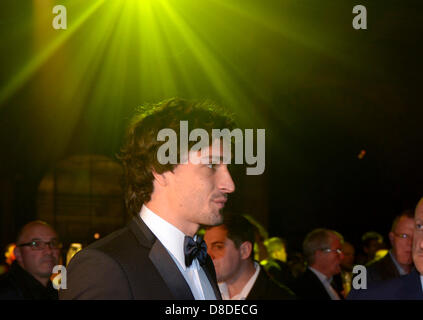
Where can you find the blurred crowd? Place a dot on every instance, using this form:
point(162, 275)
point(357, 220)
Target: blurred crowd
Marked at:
point(239, 248)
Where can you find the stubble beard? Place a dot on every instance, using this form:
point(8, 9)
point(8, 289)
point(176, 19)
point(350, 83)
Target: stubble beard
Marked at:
point(213, 218)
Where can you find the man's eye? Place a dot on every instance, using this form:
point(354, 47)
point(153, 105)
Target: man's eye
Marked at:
point(35, 244)
point(418, 226)
point(212, 166)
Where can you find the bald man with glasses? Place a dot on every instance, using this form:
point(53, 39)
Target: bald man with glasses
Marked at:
point(37, 252)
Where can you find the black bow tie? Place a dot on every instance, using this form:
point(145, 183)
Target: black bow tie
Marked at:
point(195, 249)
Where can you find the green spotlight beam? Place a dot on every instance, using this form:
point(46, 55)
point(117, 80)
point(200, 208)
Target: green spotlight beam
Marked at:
point(34, 64)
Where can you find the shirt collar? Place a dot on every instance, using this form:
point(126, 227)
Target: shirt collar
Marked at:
point(321, 276)
point(245, 291)
point(397, 265)
point(171, 237)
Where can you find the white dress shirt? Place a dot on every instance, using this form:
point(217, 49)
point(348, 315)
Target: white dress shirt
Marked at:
point(326, 283)
point(421, 280)
point(173, 240)
point(245, 291)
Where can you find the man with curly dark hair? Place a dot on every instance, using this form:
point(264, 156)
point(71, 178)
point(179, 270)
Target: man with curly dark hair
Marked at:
point(158, 255)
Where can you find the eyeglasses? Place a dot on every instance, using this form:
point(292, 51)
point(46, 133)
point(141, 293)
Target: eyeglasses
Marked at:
point(41, 245)
point(402, 235)
point(328, 250)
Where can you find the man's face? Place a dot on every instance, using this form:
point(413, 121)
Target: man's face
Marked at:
point(39, 263)
point(402, 240)
point(226, 257)
point(418, 238)
point(198, 192)
point(330, 262)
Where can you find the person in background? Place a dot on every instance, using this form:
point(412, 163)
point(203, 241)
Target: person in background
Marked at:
point(407, 287)
point(344, 279)
point(297, 264)
point(276, 265)
point(230, 246)
point(260, 236)
point(398, 261)
point(371, 243)
point(37, 252)
point(323, 252)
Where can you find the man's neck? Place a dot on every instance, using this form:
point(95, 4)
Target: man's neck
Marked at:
point(405, 267)
point(318, 268)
point(237, 283)
point(163, 212)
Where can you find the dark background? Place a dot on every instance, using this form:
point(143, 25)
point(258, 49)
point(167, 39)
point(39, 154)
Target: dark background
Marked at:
point(321, 102)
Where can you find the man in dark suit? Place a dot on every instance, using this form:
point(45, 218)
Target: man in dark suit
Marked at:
point(407, 287)
point(230, 245)
point(398, 261)
point(322, 250)
point(157, 255)
point(37, 251)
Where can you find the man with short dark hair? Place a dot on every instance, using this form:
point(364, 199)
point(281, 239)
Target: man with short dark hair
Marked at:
point(407, 287)
point(158, 256)
point(322, 250)
point(398, 261)
point(37, 251)
point(230, 246)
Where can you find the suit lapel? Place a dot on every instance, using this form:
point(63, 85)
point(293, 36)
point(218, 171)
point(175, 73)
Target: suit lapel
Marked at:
point(161, 259)
point(170, 272)
point(318, 285)
point(211, 275)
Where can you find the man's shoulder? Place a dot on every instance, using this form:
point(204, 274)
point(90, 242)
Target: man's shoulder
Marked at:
point(380, 263)
point(120, 246)
point(306, 278)
point(266, 288)
point(8, 288)
point(105, 268)
point(405, 287)
point(120, 242)
point(382, 269)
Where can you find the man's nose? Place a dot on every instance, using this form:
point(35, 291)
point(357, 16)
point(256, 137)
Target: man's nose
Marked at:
point(226, 184)
point(47, 249)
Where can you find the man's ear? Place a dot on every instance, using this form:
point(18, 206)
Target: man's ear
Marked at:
point(391, 236)
point(246, 250)
point(18, 255)
point(160, 178)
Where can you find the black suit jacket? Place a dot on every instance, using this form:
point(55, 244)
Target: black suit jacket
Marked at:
point(130, 263)
point(266, 289)
point(18, 284)
point(383, 269)
point(407, 287)
point(309, 287)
